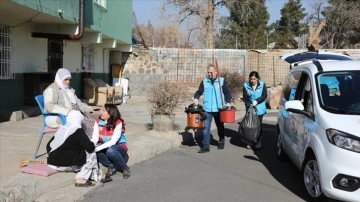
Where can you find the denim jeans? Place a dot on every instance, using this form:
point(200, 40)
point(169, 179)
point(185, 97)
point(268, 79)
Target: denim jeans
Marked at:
point(113, 157)
point(207, 127)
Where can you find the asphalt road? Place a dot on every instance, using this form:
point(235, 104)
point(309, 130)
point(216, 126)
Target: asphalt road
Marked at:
point(232, 174)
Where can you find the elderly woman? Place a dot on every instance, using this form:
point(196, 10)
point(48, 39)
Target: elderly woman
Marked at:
point(59, 97)
point(71, 150)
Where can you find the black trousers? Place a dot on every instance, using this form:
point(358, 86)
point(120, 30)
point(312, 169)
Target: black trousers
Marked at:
point(261, 128)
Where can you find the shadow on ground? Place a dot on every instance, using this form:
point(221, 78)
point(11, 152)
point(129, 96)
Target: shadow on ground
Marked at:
point(284, 172)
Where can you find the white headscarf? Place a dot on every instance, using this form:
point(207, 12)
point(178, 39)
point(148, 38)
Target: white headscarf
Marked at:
point(60, 76)
point(73, 122)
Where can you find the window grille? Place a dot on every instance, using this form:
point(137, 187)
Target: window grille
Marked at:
point(87, 55)
point(101, 3)
point(7, 51)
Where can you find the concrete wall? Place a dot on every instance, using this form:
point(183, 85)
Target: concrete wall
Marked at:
point(30, 53)
point(110, 30)
point(30, 56)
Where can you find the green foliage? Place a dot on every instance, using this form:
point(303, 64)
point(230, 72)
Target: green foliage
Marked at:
point(165, 97)
point(235, 82)
point(342, 24)
point(289, 26)
point(248, 21)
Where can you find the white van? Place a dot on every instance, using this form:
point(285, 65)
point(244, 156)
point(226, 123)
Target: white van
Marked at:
point(319, 124)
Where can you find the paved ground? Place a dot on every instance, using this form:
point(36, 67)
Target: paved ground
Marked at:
point(233, 174)
point(18, 140)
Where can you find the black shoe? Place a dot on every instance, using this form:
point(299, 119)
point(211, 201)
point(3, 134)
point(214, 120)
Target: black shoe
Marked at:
point(106, 179)
point(204, 150)
point(221, 145)
point(88, 183)
point(126, 173)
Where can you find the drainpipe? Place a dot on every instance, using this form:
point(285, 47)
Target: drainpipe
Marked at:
point(66, 36)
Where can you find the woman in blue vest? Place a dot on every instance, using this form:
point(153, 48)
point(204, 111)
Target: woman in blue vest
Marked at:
point(111, 149)
point(255, 93)
point(213, 101)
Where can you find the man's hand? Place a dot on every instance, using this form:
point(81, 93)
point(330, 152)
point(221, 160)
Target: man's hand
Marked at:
point(196, 101)
point(254, 103)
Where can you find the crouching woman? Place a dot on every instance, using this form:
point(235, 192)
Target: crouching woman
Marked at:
point(71, 150)
point(111, 149)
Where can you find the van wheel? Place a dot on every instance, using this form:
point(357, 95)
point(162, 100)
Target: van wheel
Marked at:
point(311, 176)
point(280, 153)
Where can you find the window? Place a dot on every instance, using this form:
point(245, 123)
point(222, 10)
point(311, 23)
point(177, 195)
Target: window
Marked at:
point(290, 86)
point(6, 53)
point(339, 91)
point(87, 58)
point(101, 3)
point(308, 98)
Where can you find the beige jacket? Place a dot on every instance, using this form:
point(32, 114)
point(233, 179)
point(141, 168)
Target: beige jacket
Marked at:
point(56, 100)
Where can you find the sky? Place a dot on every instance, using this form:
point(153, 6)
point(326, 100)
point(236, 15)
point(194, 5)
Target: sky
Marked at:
point(146, 10)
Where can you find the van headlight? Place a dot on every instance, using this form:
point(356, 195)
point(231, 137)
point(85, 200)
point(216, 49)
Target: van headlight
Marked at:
point(343, 140)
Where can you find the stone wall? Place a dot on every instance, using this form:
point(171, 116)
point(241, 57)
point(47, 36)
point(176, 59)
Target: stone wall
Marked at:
point(188, 66)
point(142, 70)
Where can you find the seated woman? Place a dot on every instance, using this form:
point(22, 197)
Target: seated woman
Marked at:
point(111, 148)
point(71, 150)
point(59, 97)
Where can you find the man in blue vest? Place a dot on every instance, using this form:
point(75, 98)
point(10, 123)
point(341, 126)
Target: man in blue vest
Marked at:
point(214, 100)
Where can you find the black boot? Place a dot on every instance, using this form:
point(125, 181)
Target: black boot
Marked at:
point(204, 150)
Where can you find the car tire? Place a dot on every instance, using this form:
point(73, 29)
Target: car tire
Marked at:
point(311, 178)
point(280, 153)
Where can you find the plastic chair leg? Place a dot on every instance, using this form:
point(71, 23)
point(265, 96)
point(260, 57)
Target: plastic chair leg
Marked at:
point(38, 145)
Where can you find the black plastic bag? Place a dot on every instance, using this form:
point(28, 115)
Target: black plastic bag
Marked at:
point(249, 128)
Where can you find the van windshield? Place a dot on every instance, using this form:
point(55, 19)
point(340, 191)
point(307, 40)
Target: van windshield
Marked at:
point(339, 92)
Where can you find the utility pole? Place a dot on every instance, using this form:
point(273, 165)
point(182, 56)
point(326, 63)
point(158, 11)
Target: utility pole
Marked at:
point(236, 43)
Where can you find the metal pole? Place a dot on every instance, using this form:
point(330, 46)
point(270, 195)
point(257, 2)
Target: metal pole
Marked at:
point(236, 43)
point(220, 88)
point(177, 67)
point(274, 73)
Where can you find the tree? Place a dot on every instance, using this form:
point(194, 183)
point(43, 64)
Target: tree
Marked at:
point(247, 24)
point(203, 12)
point(342, 24)
point(168, 35)
point(290, 26)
